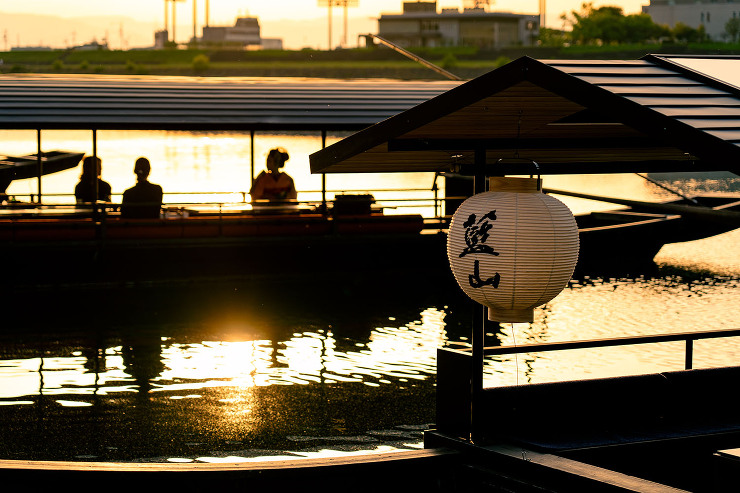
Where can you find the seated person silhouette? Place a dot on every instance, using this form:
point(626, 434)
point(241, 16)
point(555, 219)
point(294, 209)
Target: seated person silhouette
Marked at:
point(85, 189)
point(144, 200)
point(274, 185)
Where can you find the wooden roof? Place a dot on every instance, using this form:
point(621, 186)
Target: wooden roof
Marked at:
point(190, 103)
point(565, 116)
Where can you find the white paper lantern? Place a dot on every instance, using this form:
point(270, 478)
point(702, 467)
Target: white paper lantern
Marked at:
point(512, 248)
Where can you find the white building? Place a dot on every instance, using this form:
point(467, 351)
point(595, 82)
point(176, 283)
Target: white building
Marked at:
point(272, 43)
point(712, 14)
point(421, 25)
point(160, 39)
point(245, 32)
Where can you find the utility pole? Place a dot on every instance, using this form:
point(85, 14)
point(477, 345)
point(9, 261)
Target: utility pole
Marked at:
point(166, 15)
point(542, 13)
point(174, 4)
point(195, 14)
point(338, 3)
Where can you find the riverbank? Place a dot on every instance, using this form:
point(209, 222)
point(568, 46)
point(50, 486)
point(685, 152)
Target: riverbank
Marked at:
point(467, 63)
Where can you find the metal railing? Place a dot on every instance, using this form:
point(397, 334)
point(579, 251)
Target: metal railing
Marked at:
point(433, 203)
point(687, 337)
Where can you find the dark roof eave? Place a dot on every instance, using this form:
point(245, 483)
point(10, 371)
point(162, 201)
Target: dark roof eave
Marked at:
point(706, 147)
point(429, 110)
point(187, 126)
point(660, 127)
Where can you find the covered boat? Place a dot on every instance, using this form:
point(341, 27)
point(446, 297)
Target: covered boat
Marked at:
point(31, 166)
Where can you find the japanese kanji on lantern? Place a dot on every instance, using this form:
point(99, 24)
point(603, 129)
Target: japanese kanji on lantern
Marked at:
point(512, 248)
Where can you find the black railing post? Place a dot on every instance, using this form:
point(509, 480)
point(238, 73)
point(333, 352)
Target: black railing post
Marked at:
point(689, 354)
point(324, 210)
point(251, 157)
point(39, 162)
point(479, 323)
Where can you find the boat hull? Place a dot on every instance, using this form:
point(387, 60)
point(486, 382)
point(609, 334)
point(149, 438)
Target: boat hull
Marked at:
point(629, 239)
point(74, 251)
point(77, 250)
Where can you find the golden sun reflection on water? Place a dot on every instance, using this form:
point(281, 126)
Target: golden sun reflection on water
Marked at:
point(391, 353)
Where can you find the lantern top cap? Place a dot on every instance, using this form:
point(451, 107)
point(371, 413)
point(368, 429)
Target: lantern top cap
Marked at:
point(517, 185)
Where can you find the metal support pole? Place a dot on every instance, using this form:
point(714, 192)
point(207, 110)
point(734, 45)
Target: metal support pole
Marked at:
point(251, 156)
point(330, 2)
point(479, 322)
point(323, 177)
point(195, 14)
point(95, 174)
point(689, 354)
point(543, 20)
point(344, 34)
point(39, 161)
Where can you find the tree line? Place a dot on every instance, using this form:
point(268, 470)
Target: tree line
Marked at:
point(608, 26)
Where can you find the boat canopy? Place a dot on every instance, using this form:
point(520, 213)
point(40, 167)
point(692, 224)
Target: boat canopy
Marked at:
point(659, 113)
point(101, 102)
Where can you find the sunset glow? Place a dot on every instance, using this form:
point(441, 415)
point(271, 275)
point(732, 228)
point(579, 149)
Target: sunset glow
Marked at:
point(300, 23)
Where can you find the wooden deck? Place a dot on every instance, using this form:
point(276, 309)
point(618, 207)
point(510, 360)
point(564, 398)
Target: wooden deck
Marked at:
point(422, 470)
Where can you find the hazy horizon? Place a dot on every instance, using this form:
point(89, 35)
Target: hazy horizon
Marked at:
point(76, 22)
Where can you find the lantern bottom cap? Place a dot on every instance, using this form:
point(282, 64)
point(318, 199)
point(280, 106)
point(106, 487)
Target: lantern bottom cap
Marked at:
point(510, 316)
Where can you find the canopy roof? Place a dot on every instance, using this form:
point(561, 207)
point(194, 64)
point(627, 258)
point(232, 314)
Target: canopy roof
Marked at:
point(189, 103)
point(548, 117)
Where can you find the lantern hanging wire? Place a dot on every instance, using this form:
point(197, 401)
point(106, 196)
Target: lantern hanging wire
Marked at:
point(525, 160)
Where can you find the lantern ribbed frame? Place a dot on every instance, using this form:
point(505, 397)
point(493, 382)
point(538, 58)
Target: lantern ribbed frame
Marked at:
point(536, 238)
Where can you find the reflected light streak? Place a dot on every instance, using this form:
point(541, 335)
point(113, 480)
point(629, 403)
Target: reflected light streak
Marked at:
point(405, 353)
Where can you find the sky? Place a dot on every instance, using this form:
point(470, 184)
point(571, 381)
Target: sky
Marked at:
point(224, 12)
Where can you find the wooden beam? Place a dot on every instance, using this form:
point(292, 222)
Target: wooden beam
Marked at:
point(524, 143)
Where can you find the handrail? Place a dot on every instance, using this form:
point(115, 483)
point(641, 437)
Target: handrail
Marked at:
point(689, 337)
point(416, 58)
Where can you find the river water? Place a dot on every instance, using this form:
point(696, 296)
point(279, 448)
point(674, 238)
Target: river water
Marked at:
point(236, 371)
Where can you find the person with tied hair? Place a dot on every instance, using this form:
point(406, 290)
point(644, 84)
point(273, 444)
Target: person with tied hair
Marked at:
point(85, 189)
point(274, 184)
point(144, 200)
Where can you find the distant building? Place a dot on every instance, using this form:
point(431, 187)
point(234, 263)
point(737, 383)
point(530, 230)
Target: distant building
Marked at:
point(420, 25)
point(30, 48)
point(712, 14)
point(272, 44)
point(244, 33)
point(160, 39)
point(91, 46)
